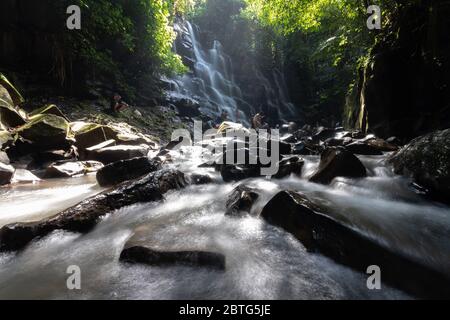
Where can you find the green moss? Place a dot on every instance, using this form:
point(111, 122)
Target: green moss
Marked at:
point(45, 126)
point(47, 109)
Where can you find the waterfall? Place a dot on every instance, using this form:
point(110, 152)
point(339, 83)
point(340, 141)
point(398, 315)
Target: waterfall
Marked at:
point(212, 85)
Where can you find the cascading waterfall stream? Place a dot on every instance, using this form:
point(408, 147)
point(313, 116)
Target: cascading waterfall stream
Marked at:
point(212, 83)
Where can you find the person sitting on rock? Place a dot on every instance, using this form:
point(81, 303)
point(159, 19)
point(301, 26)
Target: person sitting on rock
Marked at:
point(117, 104)
point(258, 121)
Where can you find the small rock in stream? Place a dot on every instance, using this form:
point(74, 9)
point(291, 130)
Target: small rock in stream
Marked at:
point(148, 256)
point(241, 201)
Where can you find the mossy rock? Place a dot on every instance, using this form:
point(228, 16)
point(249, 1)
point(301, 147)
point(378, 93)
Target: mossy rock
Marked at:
point(15, 96)
point(9, 116)
point(48, 109)
point(47, 130)
point(91, 134)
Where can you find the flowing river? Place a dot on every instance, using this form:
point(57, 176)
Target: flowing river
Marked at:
point(262, 262)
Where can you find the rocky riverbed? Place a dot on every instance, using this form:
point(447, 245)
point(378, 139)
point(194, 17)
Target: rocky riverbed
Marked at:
point(145, 219)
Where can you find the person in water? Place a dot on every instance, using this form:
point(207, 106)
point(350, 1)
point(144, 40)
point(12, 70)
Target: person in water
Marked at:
point(258, 121)
point(117, 104)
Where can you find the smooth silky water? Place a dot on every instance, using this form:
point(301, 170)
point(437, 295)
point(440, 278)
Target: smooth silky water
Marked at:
point(262, 262)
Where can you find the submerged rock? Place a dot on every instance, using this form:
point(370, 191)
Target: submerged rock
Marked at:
point(427, 160)
point(70, 169)
point(84, 216)
point(338, 162)
point(296, 214)
point(124, 170)
point(199, 179)
point(148, 256)
point(6, 173)
point(241, 201)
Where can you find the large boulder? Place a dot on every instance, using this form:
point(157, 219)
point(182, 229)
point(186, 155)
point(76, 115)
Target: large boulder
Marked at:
point(427, 160)
point(152, 257)
point(91, 134)
point(47, 132)
point(6, 173)
point(241, 201)
point(85, 215)
point(317, 231)
point(338, 162)
point(65, 169)
point(124, 170)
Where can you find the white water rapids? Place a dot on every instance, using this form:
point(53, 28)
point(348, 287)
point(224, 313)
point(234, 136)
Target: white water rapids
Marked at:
point(262, 262)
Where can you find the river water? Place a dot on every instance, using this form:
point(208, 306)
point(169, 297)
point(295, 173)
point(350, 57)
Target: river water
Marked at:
point(262, 262)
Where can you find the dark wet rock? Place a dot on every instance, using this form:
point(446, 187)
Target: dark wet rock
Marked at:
point(394, 141)
point(6, 173)
point(241, 201)
point(91, 134)
point(66, 169)
point(113, 154)
point(382, 145)
point(338, 162)
point(427, 160)
point(48, 109)
point(363, 148)
point(47, 132)
point(290, 138)
point(336, 142)
point(124, 170)
point(318, 232)
point(148, 256)
point(84, 216)
point(231, 173)
point(199, 179)
point(289, 165)
point(323, 134)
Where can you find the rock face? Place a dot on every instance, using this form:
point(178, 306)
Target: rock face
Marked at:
point(70, 169)
point(427, 160)
point(6, 173)
point(241, 201)
point(84, 216)
point(9, 117)
point(294, 213)
point(338, 162)
point(148, 256)
point(121, 171)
